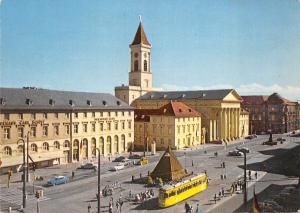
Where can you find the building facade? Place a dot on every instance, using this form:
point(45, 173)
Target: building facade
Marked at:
point(271, 113)
point(244, 123)
point(174, 124)
point(220, 110)
point(62, 126)
point(140, 75)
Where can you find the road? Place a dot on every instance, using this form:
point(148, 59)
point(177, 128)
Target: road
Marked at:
point(78, 194)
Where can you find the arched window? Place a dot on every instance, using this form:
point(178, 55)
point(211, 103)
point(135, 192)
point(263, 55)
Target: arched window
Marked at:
point(94, 147)
point(7, 151)
point(136, 65)
point(116, 144)
point(33, 147)
point(20, 148)
point(145, 65)
point(45, 146)
point(56, 145)
point(66, 144)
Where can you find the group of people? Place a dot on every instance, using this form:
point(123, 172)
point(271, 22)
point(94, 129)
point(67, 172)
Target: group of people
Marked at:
point(119, 204)
point(141, 197)
point(109, 189)
point(189, 208)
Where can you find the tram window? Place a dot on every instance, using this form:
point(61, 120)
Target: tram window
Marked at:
point(166, 195)
point(172, 194)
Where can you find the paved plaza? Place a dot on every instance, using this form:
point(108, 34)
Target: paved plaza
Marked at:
point(80, 192)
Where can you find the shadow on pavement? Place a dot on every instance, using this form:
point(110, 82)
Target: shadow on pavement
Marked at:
point(150, 204)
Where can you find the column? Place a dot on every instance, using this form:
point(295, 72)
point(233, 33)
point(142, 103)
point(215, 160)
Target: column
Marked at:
point(232, 124)
point(215, 130)
point(238, 123)
point(210, 130)
point(228, 124)
point(219, 125)
point(223, 125)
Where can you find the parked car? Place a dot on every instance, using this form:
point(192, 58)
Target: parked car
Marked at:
point(281, 139)
point(88, 166)
point(120, 159)
point(118, 167)
point(142, 161)
point(270, 143)
point(235, 153)
point(243, 149)
point(249, 137)
point(135, 156)
point(58, 180)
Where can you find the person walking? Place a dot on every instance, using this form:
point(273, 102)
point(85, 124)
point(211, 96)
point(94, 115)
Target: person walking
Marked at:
point(186, 207)
point(198, 208)
point(255, 175)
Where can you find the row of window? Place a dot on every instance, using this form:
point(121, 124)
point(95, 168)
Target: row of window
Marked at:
point(66, 115)
point(183, 189)
point(45, 130)
point(45, 146)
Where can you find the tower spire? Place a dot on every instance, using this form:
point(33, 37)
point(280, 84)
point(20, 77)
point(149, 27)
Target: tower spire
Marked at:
point(140, 35)
point(140, 18)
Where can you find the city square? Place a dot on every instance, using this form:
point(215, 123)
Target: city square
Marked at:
point(201, 113)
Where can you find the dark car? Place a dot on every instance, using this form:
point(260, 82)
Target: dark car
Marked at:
point(270, 143)
point(235, 153)
point(135, 156)
point(281, 139)
point(120, 159)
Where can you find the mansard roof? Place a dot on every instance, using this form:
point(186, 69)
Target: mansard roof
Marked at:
point(184, 95)
point(30, 98)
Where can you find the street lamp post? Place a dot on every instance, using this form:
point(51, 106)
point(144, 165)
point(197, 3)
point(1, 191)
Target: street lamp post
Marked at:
point(27, 146)
point(98, 198)
point(24, 173)
point(245, 174)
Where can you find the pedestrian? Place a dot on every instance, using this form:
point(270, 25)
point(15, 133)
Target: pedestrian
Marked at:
point(73, 174)
point(130, 194)
point(249, 173)
point(223, 192)
point(215, 198)
point(186, 207)
point(220, 194)
point(255, 175)
point(118, 207)
point(198, 208)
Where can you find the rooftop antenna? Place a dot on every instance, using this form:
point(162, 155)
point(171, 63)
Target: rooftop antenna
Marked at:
point(140, 18)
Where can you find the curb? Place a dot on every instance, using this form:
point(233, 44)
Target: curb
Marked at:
point(234, 195)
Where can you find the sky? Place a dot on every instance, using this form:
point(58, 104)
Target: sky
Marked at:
point(252, 46)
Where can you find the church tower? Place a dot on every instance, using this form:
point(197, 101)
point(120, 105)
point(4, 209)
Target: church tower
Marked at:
point(140, 73)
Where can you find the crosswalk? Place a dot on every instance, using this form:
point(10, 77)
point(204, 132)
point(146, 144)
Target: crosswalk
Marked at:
point(12, 197)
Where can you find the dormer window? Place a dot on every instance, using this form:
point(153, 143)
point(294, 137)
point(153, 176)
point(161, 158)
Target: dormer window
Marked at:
point(180, 110)
point(104, 103)
point(151, 96)
point(29, 102)
point(119, 103)
point(89, 102)
point(51, 102)
point(2, 101)
point(183, 95)
point(190, 110)
point(165, 96)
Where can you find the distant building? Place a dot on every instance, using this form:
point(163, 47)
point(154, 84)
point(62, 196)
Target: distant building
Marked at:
point(140, 75)
point(62, 126)
point(220, 110)
point(271, 113)
point(244, 123)
point(174, 124)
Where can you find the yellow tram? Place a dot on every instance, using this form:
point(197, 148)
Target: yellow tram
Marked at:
point(175, 192)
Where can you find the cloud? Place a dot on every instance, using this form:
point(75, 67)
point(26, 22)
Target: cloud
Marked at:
point(289, 91)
